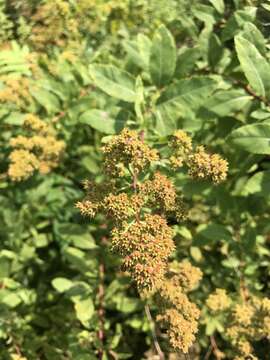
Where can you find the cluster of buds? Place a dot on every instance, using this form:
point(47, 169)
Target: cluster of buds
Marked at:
point(39, 152)
point(139, 198)
point(247, 320)
point(178, 314)
point(15, 91)
point(201, 164)
point(127, 150)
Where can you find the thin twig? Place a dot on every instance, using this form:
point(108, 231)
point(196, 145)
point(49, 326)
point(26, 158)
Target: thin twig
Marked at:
point(215, 348)
point(101, 311)
point(209, 352)
point(153, 331)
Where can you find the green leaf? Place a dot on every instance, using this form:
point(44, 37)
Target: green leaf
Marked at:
point(254, 65)
point(252, 138)
point(46, 99)
point(76, 257)
point(226, 102)
point(113, 81)
point(163, 57)
point(237, 21)
point(181, 99)
point(14, 61)
point(186, 61)
point(62, 284)
point(205, 13)
point(77, 235)
point(215, 50)
point(14, 118)
point(144, 46)
point(231, 262)
point(102, 121)
point(255, 37)
point(165, 125)
point(126, 304)
point(11, 300)
point(208, 234)
point(139, 51)
point(258, 184)
point(84, 311)
point(211, 326)
point(218, 5)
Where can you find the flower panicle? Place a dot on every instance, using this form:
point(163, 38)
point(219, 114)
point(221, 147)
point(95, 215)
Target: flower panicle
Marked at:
point(140, 204)
point(41, 151)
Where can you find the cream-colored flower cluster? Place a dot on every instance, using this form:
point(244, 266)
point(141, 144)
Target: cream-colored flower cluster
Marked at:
point(247, 320)
point(201, 164)
point(178, 313)
point(127, 149)
point(15, 91)
point(40, 151)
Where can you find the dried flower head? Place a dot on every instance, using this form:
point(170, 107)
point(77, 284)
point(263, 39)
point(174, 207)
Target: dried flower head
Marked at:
point(95, 194)
point(52, 23)
point(121, 206)
point(160, 192)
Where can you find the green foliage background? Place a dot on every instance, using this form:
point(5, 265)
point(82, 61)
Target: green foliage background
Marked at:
point(94, 67)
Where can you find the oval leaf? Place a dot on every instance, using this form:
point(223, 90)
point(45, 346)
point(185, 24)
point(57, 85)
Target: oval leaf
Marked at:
point(254, 65)
point(225, 102)
point(114, 82)
point(84, 311)
point(163, 57)
point(62, 284)
point(252, 138)
point(101, 121)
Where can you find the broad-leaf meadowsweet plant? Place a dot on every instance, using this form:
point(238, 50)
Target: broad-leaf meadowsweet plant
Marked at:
point(134, 179)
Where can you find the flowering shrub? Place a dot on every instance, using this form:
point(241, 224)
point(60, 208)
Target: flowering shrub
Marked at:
point(140, 215)
point(163, 106)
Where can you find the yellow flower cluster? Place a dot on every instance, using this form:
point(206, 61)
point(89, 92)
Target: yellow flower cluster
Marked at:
point(146, 246)
point(179, 315)
point(95, 194)
point(40, 151)
point(201, 165)
point(53, 24)
point(218, 301)
point(205, 166)
point(160, 192)
point(16, 91)
point(188, 276)
point(139, 206)
point(246, 320)
point(122, 207)
point(127, 150)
